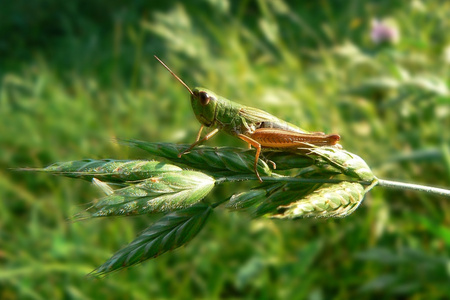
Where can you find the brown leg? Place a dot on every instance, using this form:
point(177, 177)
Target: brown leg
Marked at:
point(207, 137)
point(199, 133)
point(274, 165)
point(257, 145)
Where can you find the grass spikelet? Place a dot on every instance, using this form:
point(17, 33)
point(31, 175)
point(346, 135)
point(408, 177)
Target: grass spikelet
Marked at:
point(247, 199)
point(223, 160)
point(348, 163)
point(288, 160)
point(283, 195)
point(171, 231)
point(168, 192)
point(336, 200)
point(103, 186)
point(110, 170)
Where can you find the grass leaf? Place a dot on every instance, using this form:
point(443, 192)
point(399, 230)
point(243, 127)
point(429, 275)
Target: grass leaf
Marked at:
point(171, 231)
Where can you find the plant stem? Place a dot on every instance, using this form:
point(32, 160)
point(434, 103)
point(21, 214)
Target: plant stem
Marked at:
point(380, 182)
point(413, 187)
point(281, 179)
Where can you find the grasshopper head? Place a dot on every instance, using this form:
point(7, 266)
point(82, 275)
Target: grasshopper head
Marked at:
point(204, 103)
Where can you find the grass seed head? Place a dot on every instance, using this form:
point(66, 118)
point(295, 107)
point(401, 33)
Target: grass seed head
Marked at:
point(337, 200)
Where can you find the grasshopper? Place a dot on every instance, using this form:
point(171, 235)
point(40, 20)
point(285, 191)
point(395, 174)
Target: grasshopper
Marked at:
point(254, 126)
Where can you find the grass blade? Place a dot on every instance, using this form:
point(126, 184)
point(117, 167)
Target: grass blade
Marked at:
point(171, 231)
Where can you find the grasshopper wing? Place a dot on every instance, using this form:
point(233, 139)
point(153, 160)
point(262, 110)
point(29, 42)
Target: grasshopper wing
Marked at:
point(256, 116)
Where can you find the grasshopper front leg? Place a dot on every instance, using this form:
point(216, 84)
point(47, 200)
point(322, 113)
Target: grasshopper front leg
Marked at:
point(199, 141)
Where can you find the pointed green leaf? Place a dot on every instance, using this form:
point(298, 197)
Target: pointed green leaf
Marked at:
point(171, 231)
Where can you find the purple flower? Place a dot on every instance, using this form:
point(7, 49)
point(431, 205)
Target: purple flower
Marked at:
point(384, 31)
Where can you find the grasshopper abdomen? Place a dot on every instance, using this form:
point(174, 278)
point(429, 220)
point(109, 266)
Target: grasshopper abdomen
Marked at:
point(280, 138)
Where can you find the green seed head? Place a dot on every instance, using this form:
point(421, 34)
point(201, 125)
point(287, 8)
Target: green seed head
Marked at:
point(329, 201)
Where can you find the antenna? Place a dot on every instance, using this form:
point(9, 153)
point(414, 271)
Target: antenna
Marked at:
point(174, 75)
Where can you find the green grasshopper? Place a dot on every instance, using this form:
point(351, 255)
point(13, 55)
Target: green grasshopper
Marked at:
point(254, 126)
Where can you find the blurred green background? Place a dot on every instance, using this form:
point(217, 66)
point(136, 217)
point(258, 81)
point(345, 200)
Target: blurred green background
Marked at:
point(75, 74)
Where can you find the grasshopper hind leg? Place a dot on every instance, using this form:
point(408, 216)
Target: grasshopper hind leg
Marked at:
point(257, 145)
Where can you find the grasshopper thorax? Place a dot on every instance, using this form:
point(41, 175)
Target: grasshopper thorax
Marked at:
point(204, 104)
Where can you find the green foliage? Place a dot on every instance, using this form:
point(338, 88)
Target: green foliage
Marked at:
point(149, 187)
point(404, 281)
point(76, 73)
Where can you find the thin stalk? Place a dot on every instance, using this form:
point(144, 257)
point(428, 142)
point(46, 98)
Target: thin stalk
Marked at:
point(280, 178)
point(379, 182)
point(413, 187)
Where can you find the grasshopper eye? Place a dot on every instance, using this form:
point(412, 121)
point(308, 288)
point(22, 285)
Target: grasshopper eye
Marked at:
point(204, 98)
